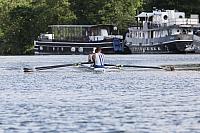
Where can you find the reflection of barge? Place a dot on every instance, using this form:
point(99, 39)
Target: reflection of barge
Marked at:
point(162, 32)
point(79, 39)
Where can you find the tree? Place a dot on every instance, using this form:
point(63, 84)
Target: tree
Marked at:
point(6, 24)
point(23, 20)
point(86, 11)
point(120, 12)
point(188, 6)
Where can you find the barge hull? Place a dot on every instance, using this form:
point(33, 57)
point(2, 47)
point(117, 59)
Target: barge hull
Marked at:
point(69, 48)
point(176, 47)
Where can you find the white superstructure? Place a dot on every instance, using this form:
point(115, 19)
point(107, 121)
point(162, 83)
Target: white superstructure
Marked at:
point(169, 18)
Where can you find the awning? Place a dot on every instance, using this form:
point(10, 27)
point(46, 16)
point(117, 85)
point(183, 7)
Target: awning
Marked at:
point(145, 15)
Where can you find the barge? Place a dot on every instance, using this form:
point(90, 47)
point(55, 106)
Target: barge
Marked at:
point(162, 32)
point(79, 39)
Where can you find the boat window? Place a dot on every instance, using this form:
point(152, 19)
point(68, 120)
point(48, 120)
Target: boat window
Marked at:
point(80, 49)
point(41, 48)
point(152, 36)
point(73, 49)
point(104, 32)
point(180, 16)
point(94, 32)
point(169, 32)
point(184, 31)
point(132, 35)
point(165, 17)
point(70, 33)
point(178, 31)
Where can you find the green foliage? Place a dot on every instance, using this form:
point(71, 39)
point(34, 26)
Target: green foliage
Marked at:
point(120, 12)
point(19, 29)
point(87, 10)
point(188, 6)
point(24, 20)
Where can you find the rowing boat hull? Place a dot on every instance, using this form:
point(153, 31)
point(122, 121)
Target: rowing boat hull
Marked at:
point(88, 67)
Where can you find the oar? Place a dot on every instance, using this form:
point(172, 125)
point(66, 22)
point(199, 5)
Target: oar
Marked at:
point(168, 68)
point(185, 67)
point(51, 67)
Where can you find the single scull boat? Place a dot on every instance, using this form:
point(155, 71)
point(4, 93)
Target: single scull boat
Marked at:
point(89, 67)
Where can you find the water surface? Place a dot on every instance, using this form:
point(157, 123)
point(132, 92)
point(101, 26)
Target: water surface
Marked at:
point(77, 101)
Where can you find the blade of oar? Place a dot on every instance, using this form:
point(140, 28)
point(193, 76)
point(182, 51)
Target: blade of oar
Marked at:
point(54, 66)
point(134, 66)
point(168, 68)
point(192, 67)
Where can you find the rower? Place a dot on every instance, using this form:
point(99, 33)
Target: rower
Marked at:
point(90, 57)
point(98, 58)
point(90, 60)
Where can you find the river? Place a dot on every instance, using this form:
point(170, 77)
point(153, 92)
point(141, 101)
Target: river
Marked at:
point(76, 101)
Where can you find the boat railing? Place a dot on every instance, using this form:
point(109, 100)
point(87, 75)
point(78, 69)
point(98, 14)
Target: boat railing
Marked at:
point(96, 38)
point(116, 36)
point(152, 25)
point(171, 22)
point(71, 39)
point(183, 21)
point(152, 41)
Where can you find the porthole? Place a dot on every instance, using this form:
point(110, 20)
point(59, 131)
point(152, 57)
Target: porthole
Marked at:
point(73, 49)
point(80, 49)
point(165, 17)
point(41, 48)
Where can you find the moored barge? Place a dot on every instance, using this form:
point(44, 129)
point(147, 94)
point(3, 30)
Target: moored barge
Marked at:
point(79, 39)
point(162, 32)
